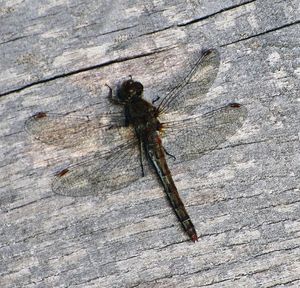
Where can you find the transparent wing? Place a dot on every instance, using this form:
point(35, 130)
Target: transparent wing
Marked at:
point(187, 138)
point(100, 173)
point(68, 130)
point(191, 89)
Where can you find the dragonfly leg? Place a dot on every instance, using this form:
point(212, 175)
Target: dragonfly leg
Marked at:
point(155, 100)
point(111, 98)
point(170, 155)
point(141, 157)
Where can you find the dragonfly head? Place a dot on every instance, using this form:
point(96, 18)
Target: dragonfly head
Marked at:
point(130, 89)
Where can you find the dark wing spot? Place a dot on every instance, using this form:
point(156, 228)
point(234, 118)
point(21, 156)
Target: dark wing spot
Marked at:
point(235, 105)
point(40, 115)
point(206, 52)
point(62, 172)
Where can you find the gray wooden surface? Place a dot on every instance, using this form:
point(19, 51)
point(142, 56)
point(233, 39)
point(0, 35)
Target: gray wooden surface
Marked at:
point(243, 197)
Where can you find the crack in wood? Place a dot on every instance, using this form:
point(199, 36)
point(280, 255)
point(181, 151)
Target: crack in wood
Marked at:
point(262, 33)
point(215, 13)
point(97, 66)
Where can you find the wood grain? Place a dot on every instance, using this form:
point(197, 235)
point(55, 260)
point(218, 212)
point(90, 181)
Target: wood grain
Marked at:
point(243, 197)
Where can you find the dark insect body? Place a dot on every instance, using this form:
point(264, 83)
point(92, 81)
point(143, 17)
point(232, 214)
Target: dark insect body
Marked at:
point(139, 132)
point(143, 117)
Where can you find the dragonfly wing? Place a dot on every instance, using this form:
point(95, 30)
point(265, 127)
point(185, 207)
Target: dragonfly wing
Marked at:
point(189, 93)
point(101, 173)
point(193, 136)
point(68, 130)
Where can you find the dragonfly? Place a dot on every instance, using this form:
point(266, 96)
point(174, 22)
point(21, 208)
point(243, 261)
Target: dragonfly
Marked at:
point(141, 134)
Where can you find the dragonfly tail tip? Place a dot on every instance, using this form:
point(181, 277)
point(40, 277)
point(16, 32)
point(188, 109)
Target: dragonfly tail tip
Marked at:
point(194, 238)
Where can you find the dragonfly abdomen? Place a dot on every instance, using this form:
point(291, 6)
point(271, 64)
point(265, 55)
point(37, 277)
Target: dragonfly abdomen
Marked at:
point(156, 155)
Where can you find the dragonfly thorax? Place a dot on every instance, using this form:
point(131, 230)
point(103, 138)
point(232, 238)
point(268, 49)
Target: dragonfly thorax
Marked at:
point(141, 115)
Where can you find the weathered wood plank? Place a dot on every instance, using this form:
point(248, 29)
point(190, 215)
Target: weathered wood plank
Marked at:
point(243, 197)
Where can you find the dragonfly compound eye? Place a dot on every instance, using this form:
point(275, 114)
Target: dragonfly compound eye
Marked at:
point(138, 88)
point(130, 89)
